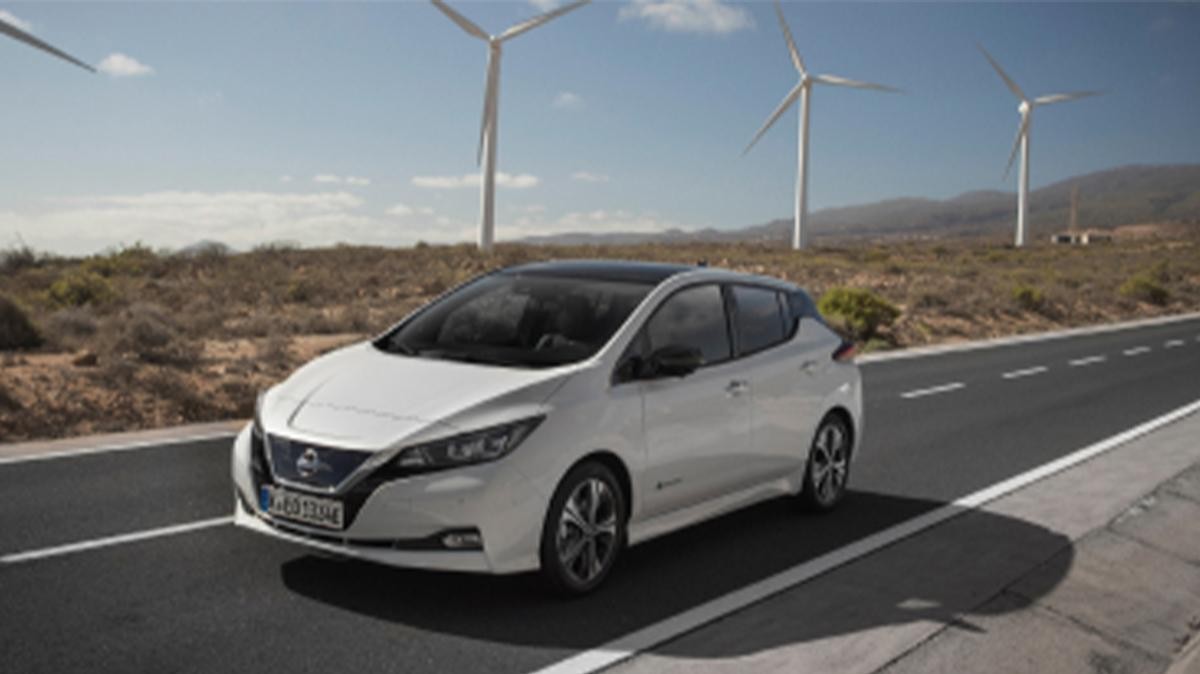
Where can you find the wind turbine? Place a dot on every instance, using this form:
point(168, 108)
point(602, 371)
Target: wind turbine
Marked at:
point(803, 91)
point(22, 36)
point(491, 105)
point(1022, 140)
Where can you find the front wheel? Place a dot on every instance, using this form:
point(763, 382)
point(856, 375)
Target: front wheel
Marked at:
point(584, 530)
point(828, 467)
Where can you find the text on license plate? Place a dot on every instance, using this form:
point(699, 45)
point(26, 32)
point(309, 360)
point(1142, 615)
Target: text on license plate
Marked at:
point(321, 512)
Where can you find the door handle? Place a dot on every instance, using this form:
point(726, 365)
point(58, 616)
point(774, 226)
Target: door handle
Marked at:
point(737, 387)
point(808, 366)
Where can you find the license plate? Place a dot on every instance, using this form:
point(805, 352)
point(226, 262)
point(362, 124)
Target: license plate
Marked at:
point(322, 512)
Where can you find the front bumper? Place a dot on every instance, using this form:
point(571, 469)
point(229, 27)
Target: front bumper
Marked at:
point(492, 498)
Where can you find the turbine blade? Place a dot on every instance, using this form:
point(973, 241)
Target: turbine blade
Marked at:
point(489, 100)
point(1016, 144)
point(843, 82)
point(1062, 98)
point(1012, 86)
point(783, 106)
point(462, 21)
point(791, 44)
point(530, 24)
point(21, 36)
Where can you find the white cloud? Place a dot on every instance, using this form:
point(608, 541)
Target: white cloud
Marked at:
point(120, 65)
point(689, 16)
point(12, 19)
point(519, 181)
point(545, 5)
point(567, 100)
point(404, 210)
point(589, 177)
point(285, 179)
point(173, 219)
point(332, 179)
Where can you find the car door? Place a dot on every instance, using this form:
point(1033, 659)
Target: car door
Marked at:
point(697, 427)
point(782, 368)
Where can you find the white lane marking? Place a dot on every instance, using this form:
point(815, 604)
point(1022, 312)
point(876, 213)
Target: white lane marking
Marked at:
point(1027, 372)
point(1090, 360)
point(631, 644)
point(69, 548)
point(932, 390)
point(1174, 343)
point(140, 444)
point(1136, 350)
point(1023, 339)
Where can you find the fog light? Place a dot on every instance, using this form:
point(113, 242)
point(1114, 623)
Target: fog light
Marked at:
point(463, 540)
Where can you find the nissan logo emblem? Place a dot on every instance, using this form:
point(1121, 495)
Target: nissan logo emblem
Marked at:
point(308, 463)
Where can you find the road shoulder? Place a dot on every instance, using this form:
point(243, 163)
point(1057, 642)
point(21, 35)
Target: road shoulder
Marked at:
point(1096, 568)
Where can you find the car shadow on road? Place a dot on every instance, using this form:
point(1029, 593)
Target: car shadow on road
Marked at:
point(656, 580)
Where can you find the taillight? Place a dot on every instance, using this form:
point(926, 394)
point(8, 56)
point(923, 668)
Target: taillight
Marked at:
point(845, 352)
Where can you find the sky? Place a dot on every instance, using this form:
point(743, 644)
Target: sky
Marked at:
point(319, 123)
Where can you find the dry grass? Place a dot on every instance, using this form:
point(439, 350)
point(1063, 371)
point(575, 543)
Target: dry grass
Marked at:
point(136, 339)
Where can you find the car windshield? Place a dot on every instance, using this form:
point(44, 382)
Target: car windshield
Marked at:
point(519, 320)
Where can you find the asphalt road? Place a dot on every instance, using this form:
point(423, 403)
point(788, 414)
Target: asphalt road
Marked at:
point(221, 599)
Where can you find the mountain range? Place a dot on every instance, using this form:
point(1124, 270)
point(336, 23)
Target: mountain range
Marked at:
point(1127, 195)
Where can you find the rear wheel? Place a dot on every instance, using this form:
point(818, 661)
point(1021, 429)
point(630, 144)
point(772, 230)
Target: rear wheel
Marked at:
point(584, 530)
point(828, 467)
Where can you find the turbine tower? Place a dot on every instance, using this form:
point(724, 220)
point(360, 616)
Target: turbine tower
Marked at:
point(486, 156)
point(22, 36)
point(1025, 108)
point(803, 91)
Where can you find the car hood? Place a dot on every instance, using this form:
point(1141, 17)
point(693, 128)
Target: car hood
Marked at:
point(361, 397)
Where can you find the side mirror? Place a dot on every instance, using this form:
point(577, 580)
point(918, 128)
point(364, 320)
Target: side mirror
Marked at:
point(674, 360)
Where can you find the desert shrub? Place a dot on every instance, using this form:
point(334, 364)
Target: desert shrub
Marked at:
point(275, 352)
point(16, 330)
point(1144, 287)
point(8, 402)
point(147, 332)
point(928, 299)
point(1028, 298)
point(79, 287)
point(301, 291)
point(135, 260)
point(171, 387)
point(72, 323)
point(17, 258)
point(860, 311)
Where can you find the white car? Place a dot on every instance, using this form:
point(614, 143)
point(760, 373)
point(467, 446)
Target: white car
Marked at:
point(547, 415)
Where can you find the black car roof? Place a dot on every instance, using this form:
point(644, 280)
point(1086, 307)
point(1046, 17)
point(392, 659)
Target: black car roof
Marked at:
point(603, 270)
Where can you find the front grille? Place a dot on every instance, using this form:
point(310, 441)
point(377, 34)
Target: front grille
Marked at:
point(312, 465)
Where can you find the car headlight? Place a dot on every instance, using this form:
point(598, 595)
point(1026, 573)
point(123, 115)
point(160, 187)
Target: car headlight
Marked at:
point(480, 446)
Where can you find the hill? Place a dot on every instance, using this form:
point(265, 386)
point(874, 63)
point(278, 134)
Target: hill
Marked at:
point(1111, 198)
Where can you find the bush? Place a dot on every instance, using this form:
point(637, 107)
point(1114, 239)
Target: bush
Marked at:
point(860, 311)
point(72, 323)
point(1145, 288)
point(16, 330)
point(147, 332)
point(1028, 298)
point(17, 258)
point(79, 287)
point(133, 261)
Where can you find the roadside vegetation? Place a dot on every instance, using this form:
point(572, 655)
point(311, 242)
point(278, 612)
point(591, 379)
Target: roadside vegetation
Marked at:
point(136, 338)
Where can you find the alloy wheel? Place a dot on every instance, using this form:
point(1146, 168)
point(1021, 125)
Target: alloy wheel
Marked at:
point(586, 537)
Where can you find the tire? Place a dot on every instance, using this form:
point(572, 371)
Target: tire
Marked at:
point(828, 468)
point(581, 543)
